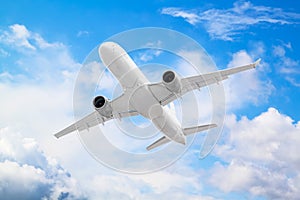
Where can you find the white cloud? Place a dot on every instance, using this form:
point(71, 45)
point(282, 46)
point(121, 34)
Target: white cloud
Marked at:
point(287, 66)
point(246, 87)
point(149, 55)
point(190, 17)
point(27, 173)
point(227, 24)
point(260, 156)
point(149, 51)
point(162, 185)
point(3, 53)
point(82, 33)
point(29, 184)
point(38, 100)
point(40, 107)
point(19, 37)
point(195, 61)
point(34, 57)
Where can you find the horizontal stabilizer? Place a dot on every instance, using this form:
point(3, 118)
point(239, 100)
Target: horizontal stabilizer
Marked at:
point(159, 142)
point(195, 129)
point(186, 131)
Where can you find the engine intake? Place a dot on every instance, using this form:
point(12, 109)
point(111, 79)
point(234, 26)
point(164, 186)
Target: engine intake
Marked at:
point(172, 81)
point(103, 106)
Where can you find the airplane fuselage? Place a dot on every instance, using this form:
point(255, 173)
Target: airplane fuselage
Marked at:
point(141, 98)
point(143, 101)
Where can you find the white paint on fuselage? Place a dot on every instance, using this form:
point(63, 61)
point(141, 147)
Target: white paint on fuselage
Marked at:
point(141, 99)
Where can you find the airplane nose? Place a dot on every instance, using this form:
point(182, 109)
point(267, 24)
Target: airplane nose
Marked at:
point(108, 52)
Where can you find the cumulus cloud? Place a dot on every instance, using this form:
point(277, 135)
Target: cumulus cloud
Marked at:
point(227, 24)
point(286, 66)
point(32, 103)
point(160, 185)
point(33, 57)
point(260, 156)
point(37, 99)
point(29, 105)
point(27, 173)
point(246, 87)
point(37, 85)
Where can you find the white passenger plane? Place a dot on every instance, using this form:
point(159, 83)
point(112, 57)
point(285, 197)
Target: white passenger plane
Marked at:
point(140, 97)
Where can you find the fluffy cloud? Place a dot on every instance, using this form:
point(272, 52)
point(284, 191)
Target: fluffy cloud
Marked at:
point(27, 173)
point(36, 86)
point(249, 87)
point(160, 185)
point(21, 38)
point(30, 57)
point(227, 24)
point(246, 87)
point(260, 156)
point(29, 104)
point(40, 176)
point(286, 66)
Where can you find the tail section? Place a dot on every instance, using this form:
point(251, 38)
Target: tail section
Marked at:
point(159, 142)
point(195, 129)
point(186, 131)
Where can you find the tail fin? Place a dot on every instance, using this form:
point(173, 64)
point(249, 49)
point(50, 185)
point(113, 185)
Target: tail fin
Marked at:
point(195, 129)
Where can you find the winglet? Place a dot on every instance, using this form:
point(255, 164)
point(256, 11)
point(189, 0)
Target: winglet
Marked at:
point(256, 62)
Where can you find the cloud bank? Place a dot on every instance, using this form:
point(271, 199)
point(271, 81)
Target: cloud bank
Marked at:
point(259, 155)
point(27, 173)
point(228, 24)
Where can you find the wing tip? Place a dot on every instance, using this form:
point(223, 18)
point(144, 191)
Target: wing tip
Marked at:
point(257, 62)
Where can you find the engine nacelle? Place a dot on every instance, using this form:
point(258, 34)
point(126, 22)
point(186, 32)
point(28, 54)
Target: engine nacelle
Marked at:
point(103, 106)
point(172, 81)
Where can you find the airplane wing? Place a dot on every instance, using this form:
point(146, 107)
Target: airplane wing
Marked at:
point(88, 121)
point(165, 96)
point(120, 110)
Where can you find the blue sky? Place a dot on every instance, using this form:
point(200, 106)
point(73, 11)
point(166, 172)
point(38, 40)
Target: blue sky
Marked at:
point(42, 46)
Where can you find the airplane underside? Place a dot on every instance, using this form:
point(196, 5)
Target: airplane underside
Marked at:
point(140, 97)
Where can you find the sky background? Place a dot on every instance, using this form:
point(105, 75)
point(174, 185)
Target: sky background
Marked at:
point(42, 46)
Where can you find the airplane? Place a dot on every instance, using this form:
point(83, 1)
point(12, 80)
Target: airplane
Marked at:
point(140, 97)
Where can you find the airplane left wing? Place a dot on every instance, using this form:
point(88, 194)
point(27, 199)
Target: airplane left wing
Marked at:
point(165, 96)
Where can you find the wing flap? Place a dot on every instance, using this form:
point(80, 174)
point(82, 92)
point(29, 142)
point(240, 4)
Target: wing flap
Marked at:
point(88, 121)
point(196, 82)
point(161, 93)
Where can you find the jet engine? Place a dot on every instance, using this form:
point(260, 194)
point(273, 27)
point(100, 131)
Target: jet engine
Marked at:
point(172, 81)
point(103, 106)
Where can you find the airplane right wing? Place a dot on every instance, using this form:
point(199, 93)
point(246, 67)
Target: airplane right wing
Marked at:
point(120, 109)
point(88, 121)
point(165, 96)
